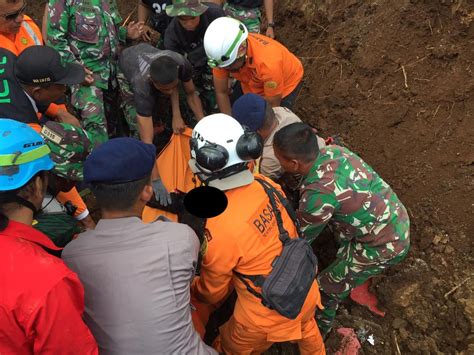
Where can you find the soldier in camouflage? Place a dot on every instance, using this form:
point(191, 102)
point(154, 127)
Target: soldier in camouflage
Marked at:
point(249, 13)
point(70, 146)
point(340, 190)
point(88, 32)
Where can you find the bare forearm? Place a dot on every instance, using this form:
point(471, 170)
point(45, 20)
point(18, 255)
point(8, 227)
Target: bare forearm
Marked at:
point(221, 86)
point(143, 12)
point(44, 23)
point(145, 129)
point(155, 174)
point(223, 102)
point(175, 103)
point(195, 104)
point(177, 121)
point(268, 4)
point(88, 222)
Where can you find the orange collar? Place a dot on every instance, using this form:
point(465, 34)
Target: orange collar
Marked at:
point(249, 60)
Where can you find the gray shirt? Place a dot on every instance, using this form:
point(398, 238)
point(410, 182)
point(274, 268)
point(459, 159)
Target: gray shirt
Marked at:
point(136, 278)
point(135, 64)
point(269, 164)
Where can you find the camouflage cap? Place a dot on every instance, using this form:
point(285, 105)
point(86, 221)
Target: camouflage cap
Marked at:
point(70, 146)
point(186, 8)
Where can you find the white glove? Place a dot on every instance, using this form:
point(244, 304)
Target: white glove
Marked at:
point(162, 195)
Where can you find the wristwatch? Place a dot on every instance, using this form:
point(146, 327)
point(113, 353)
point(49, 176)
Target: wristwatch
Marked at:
point(271, 24)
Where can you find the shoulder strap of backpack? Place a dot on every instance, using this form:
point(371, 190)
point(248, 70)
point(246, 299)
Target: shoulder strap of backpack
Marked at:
point(258, 280)
point(270, 191)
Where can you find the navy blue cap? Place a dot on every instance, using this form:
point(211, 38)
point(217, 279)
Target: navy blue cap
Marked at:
point(249, 110)
point(120, 160)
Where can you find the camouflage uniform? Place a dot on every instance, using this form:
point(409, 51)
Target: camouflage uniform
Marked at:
point(366, 216)
point(88, 32)
point(250, 17)
point(70, 146)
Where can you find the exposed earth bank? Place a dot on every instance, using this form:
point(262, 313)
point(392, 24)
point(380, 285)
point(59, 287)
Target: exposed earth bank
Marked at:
point(395, 79)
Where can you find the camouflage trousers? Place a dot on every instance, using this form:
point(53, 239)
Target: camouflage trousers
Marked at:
point(351, 270)
point(251, 18)
point(94, 105)
point(204, 83)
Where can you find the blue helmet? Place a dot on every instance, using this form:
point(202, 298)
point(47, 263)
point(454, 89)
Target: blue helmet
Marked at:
point(23, 154)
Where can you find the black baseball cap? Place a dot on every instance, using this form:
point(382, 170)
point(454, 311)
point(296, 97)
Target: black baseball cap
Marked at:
point(41, 65)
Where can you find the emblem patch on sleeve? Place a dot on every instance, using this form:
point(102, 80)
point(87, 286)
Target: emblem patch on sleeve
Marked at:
point(271, 84)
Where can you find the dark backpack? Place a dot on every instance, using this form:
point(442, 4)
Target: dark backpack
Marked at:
point(293, 272)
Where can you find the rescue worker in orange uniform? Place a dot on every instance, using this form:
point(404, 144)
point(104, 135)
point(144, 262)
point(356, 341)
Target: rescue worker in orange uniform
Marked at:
point(244, 239)
point(17, 30)
point(262, 65)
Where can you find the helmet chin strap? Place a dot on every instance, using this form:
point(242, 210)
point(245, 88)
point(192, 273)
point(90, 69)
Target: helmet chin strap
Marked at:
point(221, 174)
point(20, 200)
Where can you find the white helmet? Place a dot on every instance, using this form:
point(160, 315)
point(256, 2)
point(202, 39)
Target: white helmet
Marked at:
point(220, 148)
point(222, 40)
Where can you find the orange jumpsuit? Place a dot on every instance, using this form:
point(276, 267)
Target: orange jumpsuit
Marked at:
point(270, 68)
point(245, 238)
point(30, 35)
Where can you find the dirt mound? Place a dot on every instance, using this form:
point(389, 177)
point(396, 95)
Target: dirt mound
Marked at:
point(395, 81)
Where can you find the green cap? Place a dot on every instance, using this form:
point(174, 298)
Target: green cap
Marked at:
point(70, 146)
point(186, 8)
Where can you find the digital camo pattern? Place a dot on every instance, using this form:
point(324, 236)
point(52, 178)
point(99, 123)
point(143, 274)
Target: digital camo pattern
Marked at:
point(364, 213)
point(186, 8)
point(70, 146)
point(89, 102)
point(127, 102)
point(342, 190)
point(251, 18)
point(338, 279)
point(87, 32)
point(203, 80)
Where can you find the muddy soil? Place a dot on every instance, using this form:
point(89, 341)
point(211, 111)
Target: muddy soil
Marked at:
point(395, 80)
